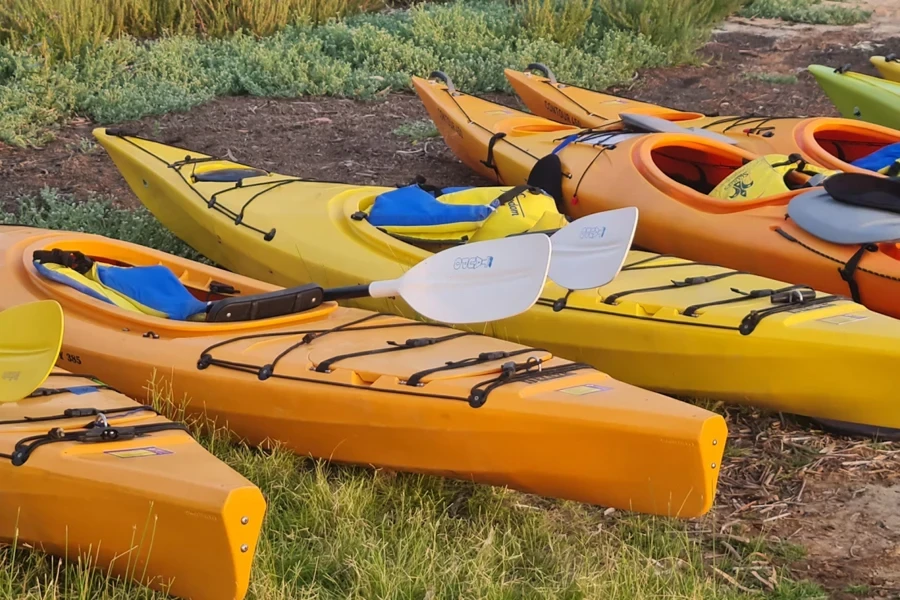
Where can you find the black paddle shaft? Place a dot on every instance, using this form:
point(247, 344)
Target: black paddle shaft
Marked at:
point(347, 293)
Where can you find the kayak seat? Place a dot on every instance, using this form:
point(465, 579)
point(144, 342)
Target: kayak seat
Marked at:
point(419, 214)
point(818, 213)
point(151, 290)
point(266, 306)
point(885, 160)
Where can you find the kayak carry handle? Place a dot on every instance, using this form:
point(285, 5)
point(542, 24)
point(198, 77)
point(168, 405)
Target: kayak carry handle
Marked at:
point(543, 69)
point(440, 75)
point(892, 58)
point(843, 69)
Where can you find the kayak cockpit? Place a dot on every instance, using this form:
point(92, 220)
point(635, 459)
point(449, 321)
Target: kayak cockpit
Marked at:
point(161, 291)
point(719, 178)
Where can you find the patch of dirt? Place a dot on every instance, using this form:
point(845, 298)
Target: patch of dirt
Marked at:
point(737, 72)
point(861, 538)
point(835, 497)
point(327, 139)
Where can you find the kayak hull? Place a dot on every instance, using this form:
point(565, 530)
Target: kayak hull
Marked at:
point(126, 507)
point(859, 96)
point(791, 362)
point(888, 67)
point(825, 141)
point(560, 430)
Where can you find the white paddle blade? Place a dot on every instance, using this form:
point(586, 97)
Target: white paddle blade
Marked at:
point(475, 283)
point(590, 252)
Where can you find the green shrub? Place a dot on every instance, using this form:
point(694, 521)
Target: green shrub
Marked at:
point(69, 28)
point(678, 26)
point(54, 210)
point(806, 11)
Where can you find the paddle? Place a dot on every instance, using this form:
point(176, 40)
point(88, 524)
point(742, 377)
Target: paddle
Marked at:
point(30, 338)
point(474, 283)
point(651, 124)
point(590, 251)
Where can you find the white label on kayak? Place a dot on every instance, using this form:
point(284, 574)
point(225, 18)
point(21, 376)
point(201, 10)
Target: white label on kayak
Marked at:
point(583, 390)
point(139, 452)
point(843, 319)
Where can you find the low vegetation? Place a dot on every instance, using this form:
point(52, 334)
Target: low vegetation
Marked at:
point(50, 74)
point(335, 532)
point(806, 11)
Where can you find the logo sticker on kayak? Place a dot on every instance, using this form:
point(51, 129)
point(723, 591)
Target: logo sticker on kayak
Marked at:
point(843, 319)
point(583, 390)
point(470, 263)
point(139, 452)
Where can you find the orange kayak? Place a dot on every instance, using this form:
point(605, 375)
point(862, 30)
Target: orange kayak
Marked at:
point(826, 141)
point(668, 176)
point(127, 495)
point(362, 387)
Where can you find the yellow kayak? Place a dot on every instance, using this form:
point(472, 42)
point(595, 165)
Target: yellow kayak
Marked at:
point(888, 66)
point(664, 323)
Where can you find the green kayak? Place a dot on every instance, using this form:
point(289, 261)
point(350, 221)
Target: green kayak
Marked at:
point(859, 96)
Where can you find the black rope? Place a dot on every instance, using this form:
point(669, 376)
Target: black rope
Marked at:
point(91, 434)
point(325, 365)
point(416, 378)
point(749, 323)
point(76, 413)
point(691, 311)
point(612, 298)
point(513, 372)
point(849, 268)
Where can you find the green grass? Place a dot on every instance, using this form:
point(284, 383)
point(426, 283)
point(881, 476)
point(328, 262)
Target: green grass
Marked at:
point(54, 210)
point(806, 11)
point(358, 57)
point(417, 131)
point(774, 78)
point(346, 532)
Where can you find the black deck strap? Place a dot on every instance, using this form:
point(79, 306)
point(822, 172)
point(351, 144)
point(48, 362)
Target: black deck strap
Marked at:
point(689, 281)
point(190, 160)
point(516, 372)
point(240, 218)
point(71, 259)
point(43, 392)
point(691, 311)
point(26, 446)
point(489, 163)
point(513, 193)
point(647, 260)
point(416, 378)
point(77, 413)
point(749, 323)
point(839, 262)
point(848, 271)
point(325, 365)
point(547, 174)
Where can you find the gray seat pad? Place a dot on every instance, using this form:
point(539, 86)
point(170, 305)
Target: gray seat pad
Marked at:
point(653, 124)
point(821, 215)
